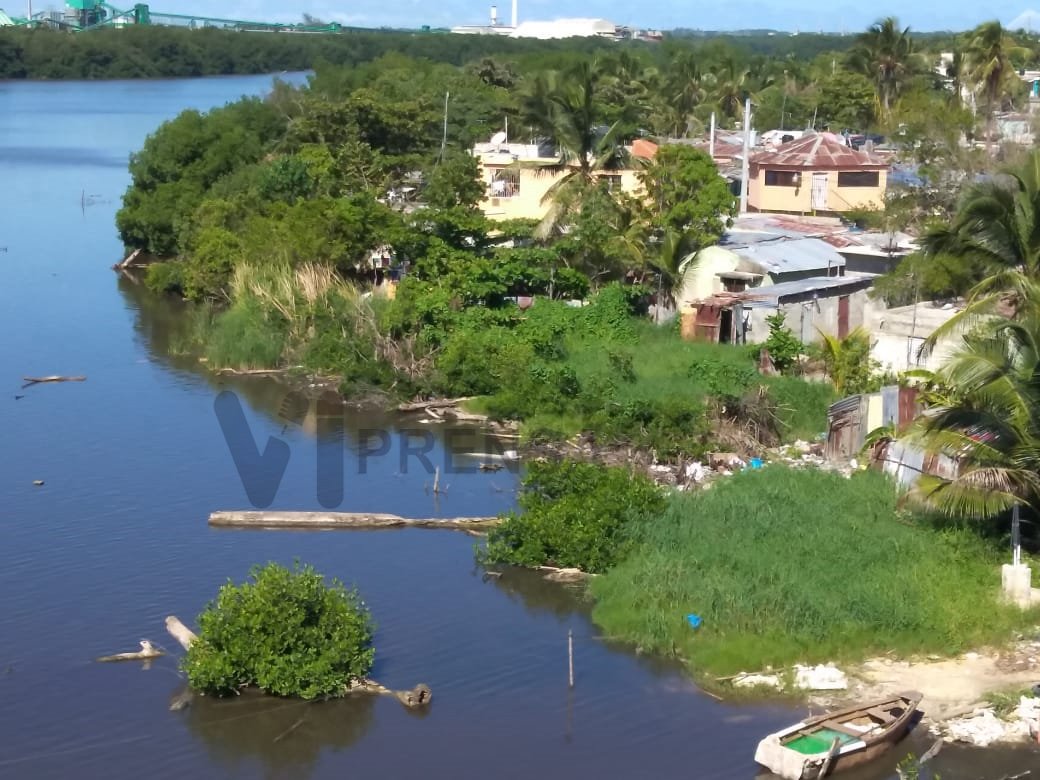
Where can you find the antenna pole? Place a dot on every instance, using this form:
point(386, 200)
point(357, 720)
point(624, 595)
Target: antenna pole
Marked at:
point(444, 138)
point(745, 167)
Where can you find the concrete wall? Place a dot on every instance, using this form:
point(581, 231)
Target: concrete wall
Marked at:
point(530, 201)
point(798, 199)
point(806, 317)
point(897, 337)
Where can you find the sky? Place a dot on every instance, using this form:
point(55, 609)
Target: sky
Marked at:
point(790, 15)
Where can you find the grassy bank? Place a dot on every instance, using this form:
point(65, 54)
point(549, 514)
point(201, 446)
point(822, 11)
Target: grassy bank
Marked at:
point(657, 391)
point(802, 566)
point(559, 369)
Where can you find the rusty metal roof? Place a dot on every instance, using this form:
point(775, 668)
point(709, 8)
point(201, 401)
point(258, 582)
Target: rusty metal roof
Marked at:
point(818, 150)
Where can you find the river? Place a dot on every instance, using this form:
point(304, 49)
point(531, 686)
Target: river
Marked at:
point(132, 462)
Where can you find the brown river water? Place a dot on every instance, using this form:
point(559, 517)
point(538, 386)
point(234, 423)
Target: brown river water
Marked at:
point(133, 460)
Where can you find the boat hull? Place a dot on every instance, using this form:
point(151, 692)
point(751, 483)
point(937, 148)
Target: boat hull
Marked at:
point(858, 758)
point(856, 736)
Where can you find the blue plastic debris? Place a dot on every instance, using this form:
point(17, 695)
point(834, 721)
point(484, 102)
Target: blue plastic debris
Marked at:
point(755, 463)
point(694, 620)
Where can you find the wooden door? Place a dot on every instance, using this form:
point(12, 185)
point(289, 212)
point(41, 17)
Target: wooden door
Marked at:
point(843, 316)
point(819, 191)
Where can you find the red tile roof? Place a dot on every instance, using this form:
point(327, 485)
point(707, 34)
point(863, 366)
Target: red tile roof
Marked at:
point(820, 151)
point(644, 149)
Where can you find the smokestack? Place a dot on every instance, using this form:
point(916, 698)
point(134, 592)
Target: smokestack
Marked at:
point(516, 14)
point(494, 16)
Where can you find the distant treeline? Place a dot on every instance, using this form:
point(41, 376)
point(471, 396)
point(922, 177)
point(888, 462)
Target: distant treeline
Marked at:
point(170, 52)
point(802, 46)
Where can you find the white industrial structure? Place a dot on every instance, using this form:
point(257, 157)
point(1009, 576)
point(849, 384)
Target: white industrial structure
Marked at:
point(544, 30)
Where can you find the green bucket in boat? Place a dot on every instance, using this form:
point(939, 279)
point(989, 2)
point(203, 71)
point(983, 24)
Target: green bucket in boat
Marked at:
point(818, 742)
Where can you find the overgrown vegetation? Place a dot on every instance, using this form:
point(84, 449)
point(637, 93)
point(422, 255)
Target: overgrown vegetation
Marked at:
point(790, 566)
point(286, 631)
point(574, 515)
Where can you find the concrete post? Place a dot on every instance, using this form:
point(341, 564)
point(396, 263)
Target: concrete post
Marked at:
point(1017, 584)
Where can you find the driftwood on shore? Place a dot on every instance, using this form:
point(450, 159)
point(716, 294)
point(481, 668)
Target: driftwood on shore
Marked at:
point(40, 380)
point(127, 261)
point(258, 371)
point(419, 696)
point(422, 406)
point(342, 520)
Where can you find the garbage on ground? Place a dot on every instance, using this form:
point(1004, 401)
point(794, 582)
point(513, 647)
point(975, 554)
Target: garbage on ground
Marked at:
point(694, 620)
point(825, 677)
point(983, 728)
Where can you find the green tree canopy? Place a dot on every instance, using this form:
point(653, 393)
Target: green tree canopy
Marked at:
point(286, 632)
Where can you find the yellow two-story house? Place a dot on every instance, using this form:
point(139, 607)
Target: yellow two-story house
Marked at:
point(816, 174)
point(518, 177)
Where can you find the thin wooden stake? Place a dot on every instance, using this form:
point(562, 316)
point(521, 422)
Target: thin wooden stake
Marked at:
point(570, 657)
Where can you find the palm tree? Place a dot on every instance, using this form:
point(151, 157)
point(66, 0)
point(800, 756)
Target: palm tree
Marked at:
point(885, 54)
point(989, 68)
point(848, 361)
point(997, 231)
point(956, 73)
point(989, 420)
point(684, 91)
point(730, 86)
point(567, 105)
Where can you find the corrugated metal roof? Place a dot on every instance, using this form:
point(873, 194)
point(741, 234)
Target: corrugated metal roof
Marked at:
point(796, 254)
point(771, 295)
point(818, 150)
point(844, 406)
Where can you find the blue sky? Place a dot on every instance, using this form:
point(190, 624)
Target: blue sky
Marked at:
point(806, 15)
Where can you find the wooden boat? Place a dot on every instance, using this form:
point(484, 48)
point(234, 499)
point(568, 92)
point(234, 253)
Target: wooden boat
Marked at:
point(839, 740)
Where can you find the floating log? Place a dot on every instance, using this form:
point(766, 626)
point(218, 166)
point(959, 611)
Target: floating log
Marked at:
point(342, 520)
point(147, 651)
point(39, 380)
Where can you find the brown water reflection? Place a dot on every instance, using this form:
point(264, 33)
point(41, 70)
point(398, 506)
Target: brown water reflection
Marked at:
point(284, 737)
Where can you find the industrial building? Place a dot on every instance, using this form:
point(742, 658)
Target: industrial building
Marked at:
point(556, 28)
point(83, 15)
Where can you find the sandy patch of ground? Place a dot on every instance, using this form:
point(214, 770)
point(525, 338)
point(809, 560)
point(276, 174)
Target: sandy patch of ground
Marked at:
point(951, 687)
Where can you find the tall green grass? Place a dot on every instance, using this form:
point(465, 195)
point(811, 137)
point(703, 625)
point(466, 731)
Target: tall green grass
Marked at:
point(789, 566)
point(655, 390)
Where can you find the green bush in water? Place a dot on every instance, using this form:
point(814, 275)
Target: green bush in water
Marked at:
point(165, 277)
point(286, 632)
point(574, 514)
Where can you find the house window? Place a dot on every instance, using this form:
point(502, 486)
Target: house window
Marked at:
point(734, 285)
point(613, 181)
point(505, 184)
point(858, 179)
point(781, 179)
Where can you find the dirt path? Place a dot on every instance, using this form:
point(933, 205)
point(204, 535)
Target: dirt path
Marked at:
point(951, 687)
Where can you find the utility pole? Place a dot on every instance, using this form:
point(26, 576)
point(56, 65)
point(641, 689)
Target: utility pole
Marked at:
point(745, 167)
point(444, 138)
point(1016, 538)
point(711, 137)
